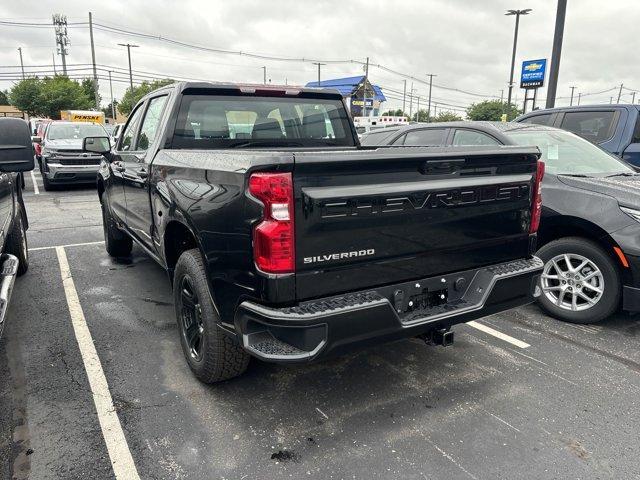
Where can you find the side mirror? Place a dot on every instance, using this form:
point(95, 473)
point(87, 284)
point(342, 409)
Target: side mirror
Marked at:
point(36, 139)
point(100, 145)
point(16, 149)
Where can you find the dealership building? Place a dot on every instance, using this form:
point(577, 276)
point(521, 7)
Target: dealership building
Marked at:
point(353, 91)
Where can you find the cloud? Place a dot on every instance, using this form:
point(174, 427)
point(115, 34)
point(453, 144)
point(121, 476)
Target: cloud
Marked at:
point(467, 43)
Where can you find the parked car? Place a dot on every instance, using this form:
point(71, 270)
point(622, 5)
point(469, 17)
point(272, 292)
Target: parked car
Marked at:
point(41, 129)
point(616, 128)
point(62, 159)
point(16, 156)
point(589, 235)
point(286, 240)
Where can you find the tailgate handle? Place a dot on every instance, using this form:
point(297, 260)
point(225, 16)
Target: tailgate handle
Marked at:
point(442, 166)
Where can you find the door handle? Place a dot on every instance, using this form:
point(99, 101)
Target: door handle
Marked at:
point(142, 173)
point(118, 167)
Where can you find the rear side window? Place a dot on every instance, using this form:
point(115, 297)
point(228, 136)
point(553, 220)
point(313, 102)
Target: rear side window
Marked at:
point(539, 119)
point(229, 121)
point(425, 137)
point(596, 127)
point(377, 137)
point(472, 137)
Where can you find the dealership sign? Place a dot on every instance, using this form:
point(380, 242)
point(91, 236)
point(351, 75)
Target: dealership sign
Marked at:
point(533, 73)
point(358, 103)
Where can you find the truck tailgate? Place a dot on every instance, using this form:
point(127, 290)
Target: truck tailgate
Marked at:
point(367, 218)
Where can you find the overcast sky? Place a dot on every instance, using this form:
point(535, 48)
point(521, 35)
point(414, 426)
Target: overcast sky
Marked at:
point(467, 43)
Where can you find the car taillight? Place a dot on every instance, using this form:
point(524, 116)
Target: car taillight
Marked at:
point(274, 237)
point(536, 207)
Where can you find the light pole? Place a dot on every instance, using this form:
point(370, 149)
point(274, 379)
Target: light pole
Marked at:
point(319, 65)
point(430, 75)
point(264, 75)
point(21, 63)
point(129, 47)
point(556, 52)
point(517, 13)
point(571, 101)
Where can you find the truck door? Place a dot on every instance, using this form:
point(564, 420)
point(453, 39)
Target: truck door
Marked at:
point(136, 172)
point(123, 150)
point(6, 205)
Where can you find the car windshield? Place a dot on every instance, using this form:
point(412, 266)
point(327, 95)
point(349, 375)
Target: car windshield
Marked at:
point(220, 121)
point(68, 131)
point(567, 154)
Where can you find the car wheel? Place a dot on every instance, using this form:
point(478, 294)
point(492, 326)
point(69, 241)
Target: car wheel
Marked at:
point(117, 243)
point(46, 183)
point(17, 243)
point(579, 281)
point(212, 355)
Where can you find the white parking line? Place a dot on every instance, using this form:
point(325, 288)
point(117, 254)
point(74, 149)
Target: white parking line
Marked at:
point(36, 190)
point(497, 334)
point(122, 462)
point(52, 247)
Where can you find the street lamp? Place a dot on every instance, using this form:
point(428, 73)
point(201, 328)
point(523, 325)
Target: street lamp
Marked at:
point(129, 47)
point(517, 13)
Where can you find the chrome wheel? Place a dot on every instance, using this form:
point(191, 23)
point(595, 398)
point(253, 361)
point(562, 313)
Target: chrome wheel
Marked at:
point(572, 282)
point(192, 324)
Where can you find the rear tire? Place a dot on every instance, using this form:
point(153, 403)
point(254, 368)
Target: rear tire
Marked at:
point(212, 355)
point(117, 243)
point(605, 278)
point(17, 243)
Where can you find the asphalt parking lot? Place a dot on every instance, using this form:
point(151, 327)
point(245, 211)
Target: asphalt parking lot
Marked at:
point(527, 397)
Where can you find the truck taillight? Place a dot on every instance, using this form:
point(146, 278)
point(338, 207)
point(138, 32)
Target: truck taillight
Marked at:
point(274, 237)
point(536, 207)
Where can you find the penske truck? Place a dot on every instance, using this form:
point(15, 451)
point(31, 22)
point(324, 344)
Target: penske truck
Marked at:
point(82, 116)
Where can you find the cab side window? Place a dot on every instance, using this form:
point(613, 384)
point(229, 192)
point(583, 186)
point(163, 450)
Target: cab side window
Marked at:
point(150, 123)
point(126, 144)
point(596, 127)
point(425, 137)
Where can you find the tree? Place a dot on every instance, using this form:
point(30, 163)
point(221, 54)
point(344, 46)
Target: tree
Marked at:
point(25, 96)
point(108, 112)
point(394, 113)
point(47, 96)
point(492, 110)
point(421, 116)
point(131, 97)
point(61, 93)
point(4, 97)
point(447, 117)
point(87, 87)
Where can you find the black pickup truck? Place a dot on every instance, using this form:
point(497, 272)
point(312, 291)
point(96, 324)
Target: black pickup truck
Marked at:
point(287, 240)
point(16, 156)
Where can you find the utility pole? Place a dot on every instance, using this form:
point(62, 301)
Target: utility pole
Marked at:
point(579, 95)
point(404, 96)
point(418, 110)
point(264, 75)
point(502, 95)
point(113, 107)
point(96, 96)
point(620, 92)
point(62, 39)
point(517, 13)
point(53, 57)
point(21, 63)
point(556, 52)
point(633, 98)
point(571, 101)
point(364, 88)
point(411, 102)
point(319, 65)
point(129, 47)
point(430, 75)
point(435, 109)
point(610, 100)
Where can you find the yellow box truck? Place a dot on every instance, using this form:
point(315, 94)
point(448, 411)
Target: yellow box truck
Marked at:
point(82, 116)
